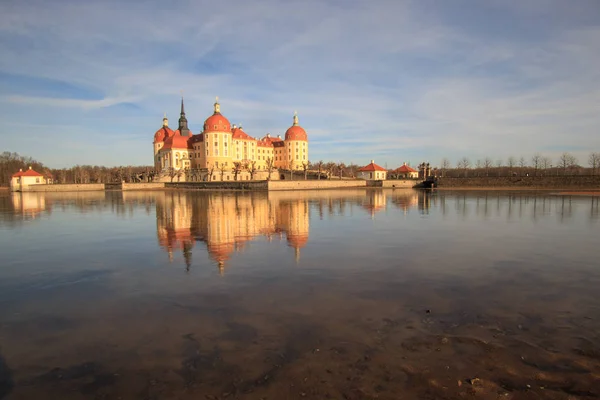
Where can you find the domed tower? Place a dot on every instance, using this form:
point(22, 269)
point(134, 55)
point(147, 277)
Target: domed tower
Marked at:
point(296, 145)
point(159, 141)
point(217, 140)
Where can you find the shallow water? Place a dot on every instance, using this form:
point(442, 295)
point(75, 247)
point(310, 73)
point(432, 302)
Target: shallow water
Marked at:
point(353, 294)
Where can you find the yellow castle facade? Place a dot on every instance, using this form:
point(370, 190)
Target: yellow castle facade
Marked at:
point(223, 151)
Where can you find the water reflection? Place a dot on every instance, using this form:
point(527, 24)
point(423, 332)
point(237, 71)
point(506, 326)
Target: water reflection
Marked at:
point(226, 222)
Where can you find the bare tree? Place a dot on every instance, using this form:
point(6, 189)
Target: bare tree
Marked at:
point(237, 168)
point(330, 168)
point(464, 164)
point(305, 169)
point(211, 170)
point(487, 163)
point(252, 169)
point(172, 173)
point(522, 165)
point(511, 164)
point(594, 162)
point(535, 162)
point(270, 166)
point(341, 166)
point(445, 165)
point(320, 168)
point(566, 160)
point(546, 163)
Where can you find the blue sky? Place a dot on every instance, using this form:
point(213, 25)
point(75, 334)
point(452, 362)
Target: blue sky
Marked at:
point(87, 82)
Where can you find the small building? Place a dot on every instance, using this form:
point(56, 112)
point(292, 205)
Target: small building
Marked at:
point(23, 179)
point(405, 172)
point(372, 172)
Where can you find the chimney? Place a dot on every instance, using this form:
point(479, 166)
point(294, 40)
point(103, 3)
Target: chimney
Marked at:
point(372, 161)
point(268, 135)
point(30, 167)
point(278, 136)
point(20, 169)
point(234, 126)
point(404, 163)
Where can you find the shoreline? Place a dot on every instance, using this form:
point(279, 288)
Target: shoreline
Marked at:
point(560, 190)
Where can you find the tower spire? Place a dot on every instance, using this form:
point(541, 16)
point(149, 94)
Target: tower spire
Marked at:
point(183, 122)
point(217, 106)
point(295, 118)
point(165, 121)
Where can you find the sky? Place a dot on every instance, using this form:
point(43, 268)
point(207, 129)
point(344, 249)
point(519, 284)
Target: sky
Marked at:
point(88, 82)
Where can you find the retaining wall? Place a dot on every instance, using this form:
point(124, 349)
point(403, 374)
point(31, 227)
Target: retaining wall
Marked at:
point(316, 184)
point(66, 187)
point(227, 185)
point(399, 183)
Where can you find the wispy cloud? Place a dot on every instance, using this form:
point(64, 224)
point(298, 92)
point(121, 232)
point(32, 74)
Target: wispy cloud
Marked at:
point(386, 80)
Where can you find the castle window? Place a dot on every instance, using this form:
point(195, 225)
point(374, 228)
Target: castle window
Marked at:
point(215, 127)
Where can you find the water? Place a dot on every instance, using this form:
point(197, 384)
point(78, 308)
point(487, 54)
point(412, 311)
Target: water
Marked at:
point(353, 294)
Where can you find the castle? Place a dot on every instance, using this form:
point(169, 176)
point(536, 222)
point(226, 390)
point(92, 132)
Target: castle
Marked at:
point(225, 152)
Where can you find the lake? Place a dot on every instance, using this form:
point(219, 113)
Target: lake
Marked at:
point(349, 294)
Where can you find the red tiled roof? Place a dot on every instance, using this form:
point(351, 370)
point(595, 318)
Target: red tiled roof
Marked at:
point(239, 134)
point(404, 169)
point(264, 143)
point(28, 172)
point(177, 142)
point(163, 133)
point(372, 167)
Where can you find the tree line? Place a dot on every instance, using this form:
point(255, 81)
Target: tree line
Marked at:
point(12, 162)
point(537, 165)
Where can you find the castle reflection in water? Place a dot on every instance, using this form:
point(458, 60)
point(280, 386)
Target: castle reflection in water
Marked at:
point(226, 221)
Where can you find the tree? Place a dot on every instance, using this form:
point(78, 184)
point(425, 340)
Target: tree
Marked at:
point(511, 164)
point(252, 169)
point(222, 170)
point(535, 161)
point(566, 160)
point(594, 162)
point(171, 171)
point(237, 168)
point(522, 164)
point(320, 168)
point(445, 165)
point(341, 166)
point(305, 169)
point(270, 166)
point(464, 164)
point(546, 163)
point(330, 168)
point(487, 163)
point(211, 169)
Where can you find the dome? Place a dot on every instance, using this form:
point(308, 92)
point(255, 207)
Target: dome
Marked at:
point(296, 132)
point(217, 122)
point(163, 133)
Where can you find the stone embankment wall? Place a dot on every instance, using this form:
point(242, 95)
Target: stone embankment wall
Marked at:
point(142, 186)
point(83, 187)
point(532, 182)
point(399, 183)
point(316, 184)
point(227, 185)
